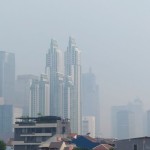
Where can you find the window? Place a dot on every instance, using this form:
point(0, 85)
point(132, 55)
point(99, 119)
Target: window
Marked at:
point(135, 147)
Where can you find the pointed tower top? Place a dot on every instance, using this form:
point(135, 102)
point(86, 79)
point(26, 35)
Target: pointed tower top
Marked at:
point(72, 40)
point(53, 43)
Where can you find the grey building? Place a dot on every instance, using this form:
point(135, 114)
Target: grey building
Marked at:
point(31, 132)
point(7, 76)
point(8, 113)
point(22, 91)
point(141, 143)
point(125, 119)
point(90, 99)
point(148, 122)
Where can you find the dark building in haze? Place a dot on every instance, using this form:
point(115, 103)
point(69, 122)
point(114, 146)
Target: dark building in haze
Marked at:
point(90, 99)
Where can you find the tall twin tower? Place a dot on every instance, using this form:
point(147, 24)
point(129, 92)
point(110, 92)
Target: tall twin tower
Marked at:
point(64, 75)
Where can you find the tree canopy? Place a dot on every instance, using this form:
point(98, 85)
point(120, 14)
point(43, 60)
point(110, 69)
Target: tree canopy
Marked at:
point(2, 145)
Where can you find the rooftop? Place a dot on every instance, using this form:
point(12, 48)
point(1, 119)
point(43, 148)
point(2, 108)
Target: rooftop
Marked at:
point(41, 119)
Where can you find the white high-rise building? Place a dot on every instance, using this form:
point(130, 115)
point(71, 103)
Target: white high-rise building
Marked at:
point(44, 106)
point(34, 98)
point(73, 74)
point(54, 69)
point(88, 125)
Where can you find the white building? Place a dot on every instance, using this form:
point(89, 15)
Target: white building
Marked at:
point(44, 101)
point(34, 98)
point(73, 71)
point(54, 68)
point(88, 125)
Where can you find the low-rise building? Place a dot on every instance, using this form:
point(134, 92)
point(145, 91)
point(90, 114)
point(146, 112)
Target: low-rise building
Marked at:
point(31, 132)
point(140, 143)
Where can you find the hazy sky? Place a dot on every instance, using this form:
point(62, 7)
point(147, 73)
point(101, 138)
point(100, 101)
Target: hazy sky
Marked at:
point(114, 36)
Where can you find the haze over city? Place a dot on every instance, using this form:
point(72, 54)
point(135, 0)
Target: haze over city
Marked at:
point(113, 37)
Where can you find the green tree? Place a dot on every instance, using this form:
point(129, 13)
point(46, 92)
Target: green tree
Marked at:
point(2, 145)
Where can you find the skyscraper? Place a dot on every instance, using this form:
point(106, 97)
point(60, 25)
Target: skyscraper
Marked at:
point(44, 106)
point(127, 120)
point(8, 114)
point(34, 98)
point(54, 69)
point(7, 76)
point(90, 99)
point(22, 91)
point(73, 73)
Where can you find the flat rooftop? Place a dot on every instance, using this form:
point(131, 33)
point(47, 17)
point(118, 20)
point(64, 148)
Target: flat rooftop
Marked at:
point(41, 119)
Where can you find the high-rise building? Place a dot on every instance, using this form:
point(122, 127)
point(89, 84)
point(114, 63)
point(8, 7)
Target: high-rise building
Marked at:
point(44, 106)
point(7, 76)
point(54, 69)
point(125, 124)
point(90, 98)
point(88, 125)
point(73, 73)
point(22, 92)
point(125, 119)
point(34, 98)
point(148, 123)
point(39, 97)
point(8, 113)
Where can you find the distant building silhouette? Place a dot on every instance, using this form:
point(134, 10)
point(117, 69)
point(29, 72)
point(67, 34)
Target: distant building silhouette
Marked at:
point(90, 99)
point(22, 92)
point(148, 123)
point(8, 113)
point(7, 76)
point(127, 120)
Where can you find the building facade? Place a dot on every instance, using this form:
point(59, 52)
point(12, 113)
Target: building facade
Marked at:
point(8, 113)
point(73, 71)
point(139, 143)
point(125, 119)
point(88, 126)
point(90, 99)
point(64, 74)
point(54, 69)
point(22, 94)
point(34, 98)
point(44, 103)
point(7, 76)
point(31, 132)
